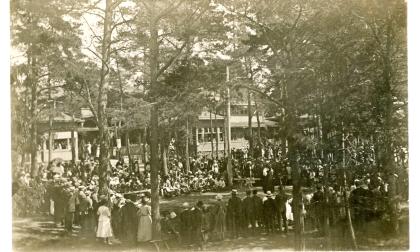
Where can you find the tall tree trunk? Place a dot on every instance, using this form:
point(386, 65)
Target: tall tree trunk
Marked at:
point(154, 124)
point(145, 153)
point(297, 195)
point(164, 152)
point(50, 120)
point(345, 196)
point(228, 134)
point(102, 101)
point(187, 149)
point(259, 127)
point(127, 143)
point(250, 140)
point(217, 135)
point(328, 206)
point(140, 147)
point(211, 135)
point(34, 104)
point(73, 143)
point(154, 170)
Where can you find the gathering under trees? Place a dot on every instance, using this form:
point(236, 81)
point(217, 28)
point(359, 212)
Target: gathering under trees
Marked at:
point(331, 74)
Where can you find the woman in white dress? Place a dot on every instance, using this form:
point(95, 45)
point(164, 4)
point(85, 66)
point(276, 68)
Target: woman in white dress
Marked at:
point(104, 229)
point(144, 231)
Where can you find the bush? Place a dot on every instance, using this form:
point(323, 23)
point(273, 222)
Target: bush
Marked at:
point(29, 200)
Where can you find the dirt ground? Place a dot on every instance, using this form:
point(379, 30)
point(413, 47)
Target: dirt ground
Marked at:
point(40, 234)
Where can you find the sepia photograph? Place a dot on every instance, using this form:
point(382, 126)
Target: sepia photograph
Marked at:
point(213, 125)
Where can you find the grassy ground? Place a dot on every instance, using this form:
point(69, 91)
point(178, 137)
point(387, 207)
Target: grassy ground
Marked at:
point(40, 234)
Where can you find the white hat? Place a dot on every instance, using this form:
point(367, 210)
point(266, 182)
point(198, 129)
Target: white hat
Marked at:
point(269, 194)
point(185, 204)
point(219, 196)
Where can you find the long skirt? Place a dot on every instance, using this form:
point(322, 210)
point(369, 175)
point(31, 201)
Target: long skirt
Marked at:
point(144, 231)
point(104, 228)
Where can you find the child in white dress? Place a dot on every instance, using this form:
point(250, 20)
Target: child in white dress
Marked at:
point(104, 223)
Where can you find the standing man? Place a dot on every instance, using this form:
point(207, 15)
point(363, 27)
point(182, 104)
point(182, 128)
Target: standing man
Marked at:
point(234, 213)
point(197, 225)
point(72, 199)
point(249, 211)
point(219, 214)
point(264, 179)
point(258, 209)
point(269, 212)
point(318, 206)
point(280, 200)
point(270, 178)
point(185, 223)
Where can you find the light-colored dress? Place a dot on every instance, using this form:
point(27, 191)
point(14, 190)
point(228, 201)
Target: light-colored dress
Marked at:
point(104, 223)
point(144, 231)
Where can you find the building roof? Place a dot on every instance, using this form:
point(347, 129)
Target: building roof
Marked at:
point(205, 115)
point(58, 117)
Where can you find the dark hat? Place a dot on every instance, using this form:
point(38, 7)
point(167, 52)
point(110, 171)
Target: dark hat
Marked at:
point(200, 203)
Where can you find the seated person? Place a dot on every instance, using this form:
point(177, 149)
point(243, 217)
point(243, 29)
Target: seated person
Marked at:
point(168, 190)
point(177, 187)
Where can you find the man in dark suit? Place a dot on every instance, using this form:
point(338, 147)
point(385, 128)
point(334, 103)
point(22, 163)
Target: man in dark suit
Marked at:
point(129, 219)
point(197, 225)
point(185, 223)
point(257, 218)
point(280, 200)
point(249, 211)
point(360, 201)
point(269, 206)
point(72, 199)
point(318, 204)
point(234, 214)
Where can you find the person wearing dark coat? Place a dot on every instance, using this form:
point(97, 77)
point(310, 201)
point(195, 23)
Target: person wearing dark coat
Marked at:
point(257, 218)
point(129, 220)
point(317, 203)
point(72, 199)
point(249, 211)
point(219, 219)
point(185, 224)
point(264, 179)
point(234, 214)
point(59, 204)
point(270, 180)
point(360, 202)
point(116, 220)
point(197, 225)
point(270, 211)
point(84, 207)
point(280, 200)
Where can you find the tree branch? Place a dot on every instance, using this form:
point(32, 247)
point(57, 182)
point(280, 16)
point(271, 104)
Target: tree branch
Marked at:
point(172, 59)
point(89, 100)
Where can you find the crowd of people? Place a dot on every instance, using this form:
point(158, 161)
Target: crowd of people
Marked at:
point(72, 197)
